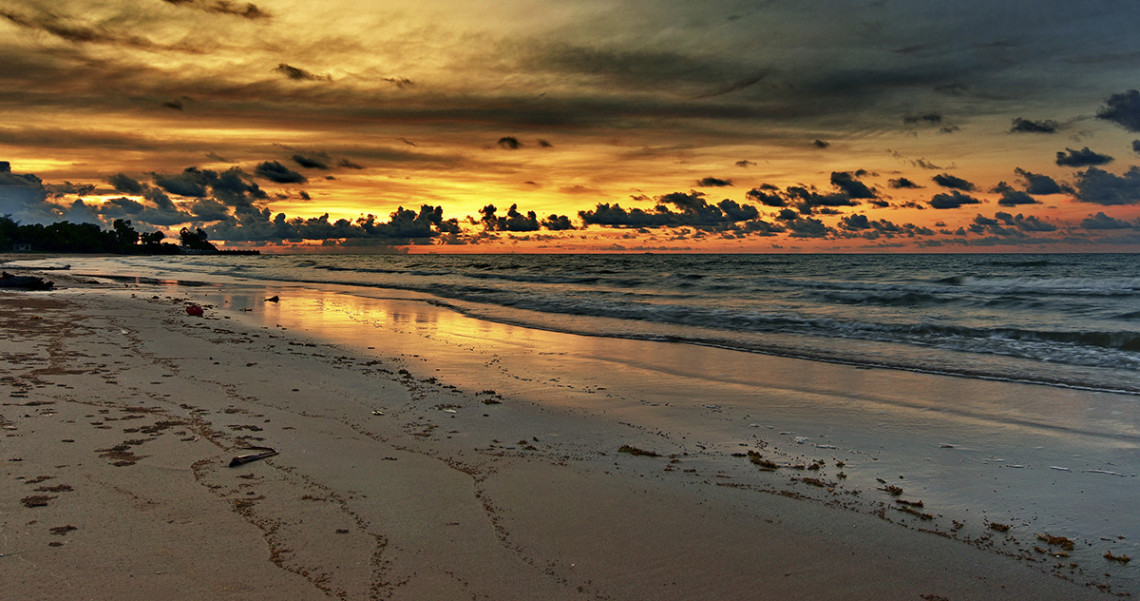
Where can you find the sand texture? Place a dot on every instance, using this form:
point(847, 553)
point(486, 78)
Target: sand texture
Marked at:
point(406, 473)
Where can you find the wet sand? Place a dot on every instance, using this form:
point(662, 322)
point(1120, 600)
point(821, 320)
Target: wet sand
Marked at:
point(456, 459)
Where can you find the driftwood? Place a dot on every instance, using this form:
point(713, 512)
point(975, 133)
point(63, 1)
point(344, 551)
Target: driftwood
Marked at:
point(24, 282)
point(244, 459)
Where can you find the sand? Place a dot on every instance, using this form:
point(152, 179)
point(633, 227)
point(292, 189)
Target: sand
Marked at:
point(453, 459)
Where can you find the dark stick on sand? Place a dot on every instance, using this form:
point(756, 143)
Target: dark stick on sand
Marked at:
point(244, 459)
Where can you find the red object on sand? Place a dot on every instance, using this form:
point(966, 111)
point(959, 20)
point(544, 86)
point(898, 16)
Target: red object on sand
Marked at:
point(194, 310)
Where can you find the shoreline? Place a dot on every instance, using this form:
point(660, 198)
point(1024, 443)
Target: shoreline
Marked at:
point(453, 453)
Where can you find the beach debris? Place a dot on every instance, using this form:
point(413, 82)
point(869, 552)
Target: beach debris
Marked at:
point(636, 451)
point(1104, 472)
point(273, 299)
point(764, 464)
point(377, 412)
point(710, 406)
point(999, 527)
point(195, 310)
point(1056, 541)
point(892, 490)
point(244, 459)
point(24, 282)
point(1123, 559)
point(1059, 468)
point(800, 439)
point(825, 446)
point(36, 500)
point(916, 513)
point(946, 445)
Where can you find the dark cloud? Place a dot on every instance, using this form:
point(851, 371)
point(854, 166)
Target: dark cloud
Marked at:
point(852, 187)
point(224, 7)
point(312, 160)
point(1005, 225)
point(1100, 221)
point(920, 162)
point(191, 182)
point(713, 182)
point(509, 142)
point(677, 72)
point(735, 212)
point(693, 210)
point(808, 227)
point(236, 188)
point(544, 143)
point(278, 173)
point(686, 202)
point(820, 144)
point(863, 227)
point(952, 200)
point(1026, 126)
point(24, 199)
point(746, 163)
point(125, 184)
point(513, 221)
point(70, 188)
point(954, 183)
point(1037, 184)
point(74, 30)
point(854, 222)
point(173, 104)
point(219, 158)
point(1136, 146)
point(766, 197)
point(1011, 197)
point(1122, 109)
point(927, 119)
point(1100, 187)
point(734, 86)
point(809, 201)
point(902, 183)
point(347, 164)
point(404, 226)
point(1081, 158)
point(400, 82)
point(299, 74)
point(557, 223)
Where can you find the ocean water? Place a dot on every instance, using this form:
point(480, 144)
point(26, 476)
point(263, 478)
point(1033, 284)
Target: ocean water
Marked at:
point(1070, 320)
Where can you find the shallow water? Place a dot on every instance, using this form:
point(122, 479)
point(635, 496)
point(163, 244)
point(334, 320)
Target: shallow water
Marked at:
point(1066, 320)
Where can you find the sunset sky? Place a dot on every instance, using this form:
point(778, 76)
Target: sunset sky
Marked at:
point(720, 125)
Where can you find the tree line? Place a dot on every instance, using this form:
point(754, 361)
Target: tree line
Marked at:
point(67, 237)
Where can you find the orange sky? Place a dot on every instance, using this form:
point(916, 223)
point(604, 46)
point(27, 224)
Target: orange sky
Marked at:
point(730, 125)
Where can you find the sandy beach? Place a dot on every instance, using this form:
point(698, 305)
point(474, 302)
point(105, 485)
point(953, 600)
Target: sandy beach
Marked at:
point(433, 456)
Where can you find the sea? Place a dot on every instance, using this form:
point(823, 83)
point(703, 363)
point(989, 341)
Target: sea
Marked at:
point(1066, 320)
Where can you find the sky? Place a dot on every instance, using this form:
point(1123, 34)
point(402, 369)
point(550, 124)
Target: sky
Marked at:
point(544, 126)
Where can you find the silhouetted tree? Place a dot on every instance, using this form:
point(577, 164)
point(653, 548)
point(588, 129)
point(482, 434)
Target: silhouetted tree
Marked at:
point(195, 240)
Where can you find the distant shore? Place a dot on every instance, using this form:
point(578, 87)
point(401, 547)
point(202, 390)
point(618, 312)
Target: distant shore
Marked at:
point(425, 455)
